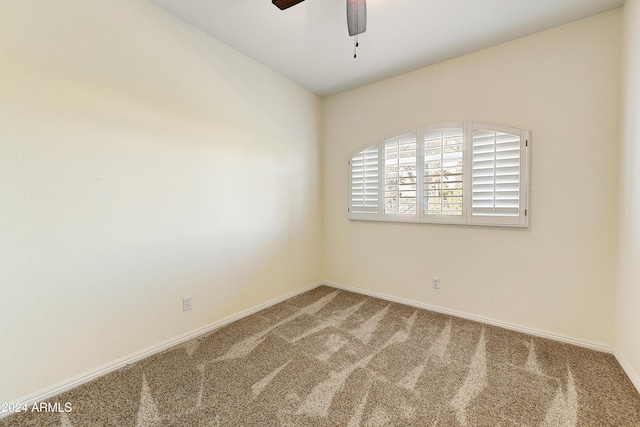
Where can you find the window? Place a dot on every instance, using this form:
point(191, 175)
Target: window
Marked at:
point(461, 173)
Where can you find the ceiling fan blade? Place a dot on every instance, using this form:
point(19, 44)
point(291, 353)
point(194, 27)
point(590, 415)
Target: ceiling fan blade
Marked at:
point(284, 4)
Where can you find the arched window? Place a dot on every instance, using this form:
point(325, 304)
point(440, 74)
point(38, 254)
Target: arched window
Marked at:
point(461, 173)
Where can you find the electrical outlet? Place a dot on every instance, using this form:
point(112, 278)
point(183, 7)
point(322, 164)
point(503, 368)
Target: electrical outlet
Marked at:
point(436, 283)
point(186, 303)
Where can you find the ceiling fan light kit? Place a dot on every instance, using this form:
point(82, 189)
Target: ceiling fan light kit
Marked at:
point(356, 16)
point(356, 20)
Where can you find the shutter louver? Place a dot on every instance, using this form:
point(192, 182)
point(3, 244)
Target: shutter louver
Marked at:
point(496, 174)
point(364, 181)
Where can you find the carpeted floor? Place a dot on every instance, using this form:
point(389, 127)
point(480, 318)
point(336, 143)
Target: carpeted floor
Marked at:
point(336, 358)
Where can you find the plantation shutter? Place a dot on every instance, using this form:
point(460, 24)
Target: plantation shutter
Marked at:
point(455, 172)
point(364, 184)
point(499, 174)
point(400, 177)
point(443, 174)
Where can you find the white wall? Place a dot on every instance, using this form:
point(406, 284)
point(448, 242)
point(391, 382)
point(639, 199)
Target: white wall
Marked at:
point(559, 274)
point(140, 161)
point(628, 289)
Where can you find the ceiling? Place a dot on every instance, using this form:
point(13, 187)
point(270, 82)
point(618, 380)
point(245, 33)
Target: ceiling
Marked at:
point(309, 44)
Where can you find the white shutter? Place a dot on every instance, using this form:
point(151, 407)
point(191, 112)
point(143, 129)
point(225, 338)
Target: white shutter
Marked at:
point(443, 175)
point(456, 172)
point(364, 201)
point(498, 171)
point(400, 177)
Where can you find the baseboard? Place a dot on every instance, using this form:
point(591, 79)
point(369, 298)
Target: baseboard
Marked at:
point(487, 320)
point(628, 369)
point(71, 383)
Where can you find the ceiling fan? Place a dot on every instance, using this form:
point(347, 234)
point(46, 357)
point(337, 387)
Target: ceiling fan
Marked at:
point(356, 15)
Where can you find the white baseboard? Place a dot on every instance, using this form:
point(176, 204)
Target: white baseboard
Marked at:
point(67, 385)
point(487, 320)
point(628, 369)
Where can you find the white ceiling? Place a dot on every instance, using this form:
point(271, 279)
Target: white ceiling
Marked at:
point(309, 43)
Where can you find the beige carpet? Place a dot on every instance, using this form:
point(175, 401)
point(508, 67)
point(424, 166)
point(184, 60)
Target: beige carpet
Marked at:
point(335, 358)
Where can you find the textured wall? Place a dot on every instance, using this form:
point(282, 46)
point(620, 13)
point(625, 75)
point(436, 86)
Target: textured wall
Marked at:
point(558, 275)
point(141, 161)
